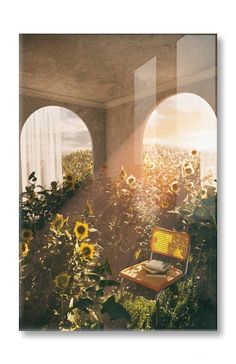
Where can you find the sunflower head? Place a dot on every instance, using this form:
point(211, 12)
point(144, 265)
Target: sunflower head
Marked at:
point(210, 191)
point(24, 249)
point(174, 187)
point(62, 280)
point(151, 166)
point(69, 177)
point(164, 205)
point(188, 170)
point(186, 164)
point(26, 235)
point(165, 188)
point(71, 185)
point(203, 193)
point(131, 180)
point(190, 185)
point(87, 250)
point(58, 223)
point(81, 230)
point(69, 180)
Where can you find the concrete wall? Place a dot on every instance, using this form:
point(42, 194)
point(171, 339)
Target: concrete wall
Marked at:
point(124, 134)
point(117, 133)
point(206, 89)
point(126, 124)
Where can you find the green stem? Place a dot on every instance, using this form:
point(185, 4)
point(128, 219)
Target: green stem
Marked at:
point(62, 310)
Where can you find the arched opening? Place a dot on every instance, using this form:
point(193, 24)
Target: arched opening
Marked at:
point(180, 144)
point(184, 121)
point(55, 142)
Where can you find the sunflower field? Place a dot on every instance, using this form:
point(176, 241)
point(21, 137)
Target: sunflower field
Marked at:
point(78, 164)
point(70, 259)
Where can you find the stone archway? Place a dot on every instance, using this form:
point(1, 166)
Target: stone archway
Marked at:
point(194, 126)
point(48, 136)
point(94, 119)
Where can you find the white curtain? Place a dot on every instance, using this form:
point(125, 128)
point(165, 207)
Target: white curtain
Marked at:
point(41, 147)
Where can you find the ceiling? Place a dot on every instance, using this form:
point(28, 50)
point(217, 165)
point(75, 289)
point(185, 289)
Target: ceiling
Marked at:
point(96, 68)
point(93, 67)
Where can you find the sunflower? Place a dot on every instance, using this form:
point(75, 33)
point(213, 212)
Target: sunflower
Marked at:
point(203, 193)
point(190, 185)
point(87, 250)
point(24, 249)
point(164, 205)
point(188, 170)
point(81, 230)
point(187, 164)
point(165, 188)
point(151, 166)
point(69, 178)
point(174, 187)
point(210, 191)
point(26, 235)
point(62, 280)
point(131, 180)
point(71, 185)
point(58, 223)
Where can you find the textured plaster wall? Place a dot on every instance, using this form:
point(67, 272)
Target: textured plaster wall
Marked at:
point(124, 134)
point(126, 124)
point(117, 133)
point(206, 89)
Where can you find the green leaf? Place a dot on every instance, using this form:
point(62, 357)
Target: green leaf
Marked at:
point(108, 282)
point(94, 276)
point(99, 270)
point(210, 201)
point(90, 288)
point(97, 326)
point(31, 176)
point(193, 228)
point(83, 304)
point(184, 212)
point(107, 267)
point(115, 310)
point(54, 184)
point(202, 213)
point(99, 292)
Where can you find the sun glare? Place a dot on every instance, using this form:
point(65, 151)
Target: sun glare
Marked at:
point(184, 120)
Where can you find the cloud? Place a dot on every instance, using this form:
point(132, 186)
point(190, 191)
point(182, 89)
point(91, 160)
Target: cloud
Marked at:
point(75, 134)
point(75, 140)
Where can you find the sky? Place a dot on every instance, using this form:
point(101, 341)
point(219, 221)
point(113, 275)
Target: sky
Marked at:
point(184, 120)
point(75, 134)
